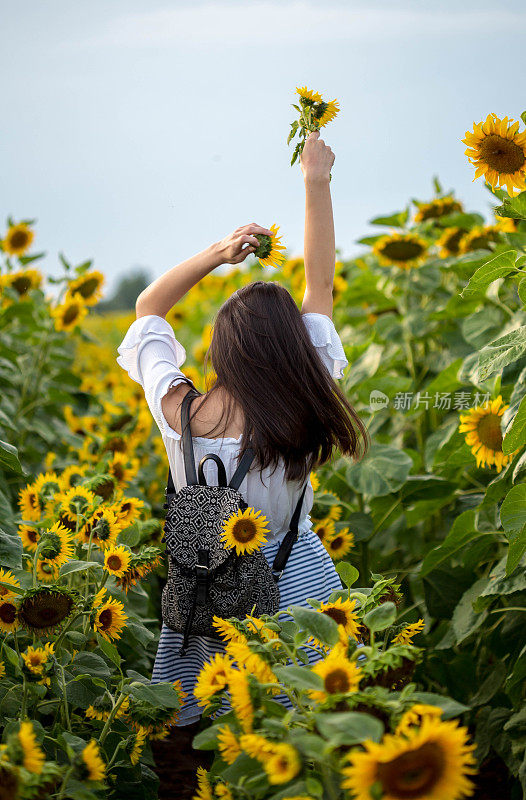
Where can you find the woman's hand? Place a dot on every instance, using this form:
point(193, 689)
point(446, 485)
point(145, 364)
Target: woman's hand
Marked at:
point(232, 250)
point(316, 159)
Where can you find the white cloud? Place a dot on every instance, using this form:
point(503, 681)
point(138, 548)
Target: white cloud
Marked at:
point(267, 22)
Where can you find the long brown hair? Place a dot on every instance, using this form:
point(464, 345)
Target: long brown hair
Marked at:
point(267, 366)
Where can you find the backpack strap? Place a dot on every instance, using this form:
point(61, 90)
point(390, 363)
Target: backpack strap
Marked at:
point(242, 468)
point(287, 543)
point(188, 446)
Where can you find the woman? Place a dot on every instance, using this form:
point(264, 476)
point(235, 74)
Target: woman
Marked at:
point(275, 383)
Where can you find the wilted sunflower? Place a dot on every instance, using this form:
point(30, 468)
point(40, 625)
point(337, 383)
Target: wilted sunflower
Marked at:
point(30, 536)
point(156, 721)
point(439, 207)
point(428, 763)
point(269, 251)
point(9, 621)
point(241, 701)
point(43, 609)
point(212, 678)
point(18, 239)
point(6, 576)
point(22, 281)
point(56, 545)
point(86, 288)
point(449, 242)
point(405, 636)
point(481, 237)
point(343, 612)
point(68, 314)
point(283, 764)
point(228, 744)
point(245, 530)
point(482, 426)
point(117, 560)
point(30, 756)
point(137, 745)
point(498, 152)
point(404, 250)
point(35, 658)
point(93, 767)
point(415, 715)
point(340, 676)
point(339, 545)
point(141, 564)
point(110, 619)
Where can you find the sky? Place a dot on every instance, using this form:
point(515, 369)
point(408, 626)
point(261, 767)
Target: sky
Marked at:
point(139, 132)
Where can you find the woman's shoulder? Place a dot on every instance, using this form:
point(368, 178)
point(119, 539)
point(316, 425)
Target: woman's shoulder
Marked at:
point(208, 420)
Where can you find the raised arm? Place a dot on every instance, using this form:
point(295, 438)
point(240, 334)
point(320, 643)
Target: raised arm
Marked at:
point(164, 292)
point(319, 244)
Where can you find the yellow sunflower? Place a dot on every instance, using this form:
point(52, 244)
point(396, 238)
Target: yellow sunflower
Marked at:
point(22, 281)
point(449, 242)
point(212, 678)
point(498, 151)
point(9, 621)
point(77, 503)
point(323, 111)
point(343, 612)
point(340, 676)
point(245, 530)
point(308, 95)
point(314, 482)
point(428, 763)
point(405, 636)
point(228, 744)
point(266, 634)
point(283, 764)
point(33, 757)
point(415, 715)
point(86, 288)
point(35, 658)
point(29, 503)
point(103, 527)
point(404, 250)
point(110, 619)
point(204, 789)
point(102, 707)
point(117, 560)
point(57, 545)
point(94, 766)
point(324, 529)
point(483, 433)
point(239, 688)
point(223, 791)
point(439, 207)
point(339, 545)
point(254, 663)
point(269, 251)
point(30, 537)
point(138, 745)
point(481, 237)
point(18, 239)
point(227, 631)
point(128, 509)
point(46, 571)
point(6, 576)
point(68, 314)
point(71, 475)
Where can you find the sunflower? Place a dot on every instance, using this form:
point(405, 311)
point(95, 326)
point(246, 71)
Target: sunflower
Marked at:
point(404, 250)
point(483, 433)
point(343, 612)
point(439, 207)
point(46, 571)
point(22, 281)
point(29, 504)
point(324, 529)
point(123, 467)
point(18, 239)
point(228, 744)
point(68, 314)
point(102, 707)
point(223, 791)
point(128, 509)
point(227, 630)
point(498, 151)
point(141, 564)
point(56, 545)
point(283, 764)
point(307, 96)
point(46, 486)
point(86, 287)
point(72, 475)
point(481, 237)
point(117, 560)
point(213, 677)
point(415, 715)
point(138, 745)
point(268, 253)
point(155, 722)
point(323, 111)
point(335, 511)
point(428, 763)
point(245, 530)
point(103, 527)
point(339, 545)
point(405, 636)
point(110, 619)
point(314, 482)
point(94, 768)
point(6, 576)
point(30, 536)
point(33, 757)
point(239, 688)
point(264, 633)
point(254, 663)
point(340, 676)
point(449, 242)
point(9, 620)
point(35, 658)
point(43, 609)
point(204, 789)
point(77, 503)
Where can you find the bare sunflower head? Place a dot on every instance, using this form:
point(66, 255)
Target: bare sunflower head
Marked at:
point(498, 151)
point(404, 250)
point(42, 610)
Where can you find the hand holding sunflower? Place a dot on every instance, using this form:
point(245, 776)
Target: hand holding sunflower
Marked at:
point(316, 158)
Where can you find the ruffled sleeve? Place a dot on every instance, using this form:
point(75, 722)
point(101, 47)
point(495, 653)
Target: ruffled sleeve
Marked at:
point(152, 356)
point(325, 339)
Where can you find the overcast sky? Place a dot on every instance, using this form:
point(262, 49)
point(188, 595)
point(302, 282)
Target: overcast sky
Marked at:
point(138, 132)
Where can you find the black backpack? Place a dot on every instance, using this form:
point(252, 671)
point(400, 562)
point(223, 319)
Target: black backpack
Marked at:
point(204, 578)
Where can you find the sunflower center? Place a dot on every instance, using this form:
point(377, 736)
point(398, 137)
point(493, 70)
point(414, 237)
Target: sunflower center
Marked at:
point(19, 240)
point(501, 154)
point(336, 614)
point(453, 240)
point(118, 470)
point(7, 613)
point(114, 562)
point(244, 530)
point(337, 542)
point(87, 288)
point(21, 284)
point(489, 431)
point(402, 250)
point(414, 774)
point(106, 618)
point(71, 313)
point(337, 681)
point(66, 522)
point(321, 532)
point(32, 535)
point(265, 245)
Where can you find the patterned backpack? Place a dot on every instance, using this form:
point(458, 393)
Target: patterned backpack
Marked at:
point(205, 578)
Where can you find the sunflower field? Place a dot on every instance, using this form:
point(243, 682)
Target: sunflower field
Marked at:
point(420, 688)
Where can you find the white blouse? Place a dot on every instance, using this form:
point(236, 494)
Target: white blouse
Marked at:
point(152, 356)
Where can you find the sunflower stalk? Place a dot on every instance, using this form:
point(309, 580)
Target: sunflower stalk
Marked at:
point(116, 705)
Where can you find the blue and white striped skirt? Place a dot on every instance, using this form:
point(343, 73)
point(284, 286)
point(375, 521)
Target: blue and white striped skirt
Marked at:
point(309, 572)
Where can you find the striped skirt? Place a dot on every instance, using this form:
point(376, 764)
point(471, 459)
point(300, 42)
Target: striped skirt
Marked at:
point(309, 572)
